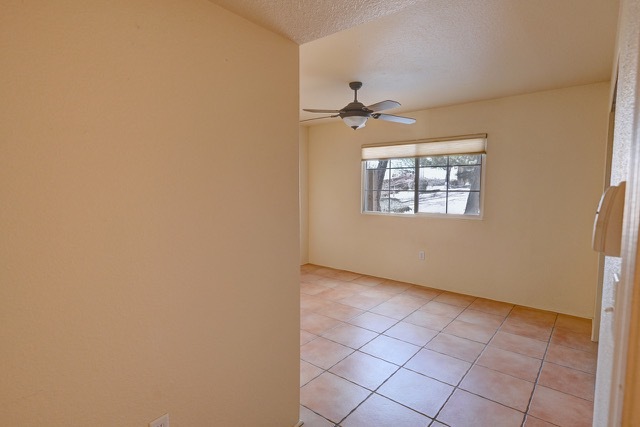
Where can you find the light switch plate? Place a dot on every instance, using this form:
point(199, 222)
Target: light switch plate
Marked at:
point(163, 421)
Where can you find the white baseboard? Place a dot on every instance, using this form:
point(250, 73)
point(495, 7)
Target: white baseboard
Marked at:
point(299, 424)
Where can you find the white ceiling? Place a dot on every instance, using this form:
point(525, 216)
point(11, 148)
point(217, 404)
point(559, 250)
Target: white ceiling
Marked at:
point(429, 53)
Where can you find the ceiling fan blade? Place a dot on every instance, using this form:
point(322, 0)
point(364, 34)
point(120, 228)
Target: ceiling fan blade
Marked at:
point(392, 118)
point(383, 105)
point(313, 110)
point(319, 118)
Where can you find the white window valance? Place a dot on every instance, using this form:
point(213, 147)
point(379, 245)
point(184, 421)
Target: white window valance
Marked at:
point(469, 144)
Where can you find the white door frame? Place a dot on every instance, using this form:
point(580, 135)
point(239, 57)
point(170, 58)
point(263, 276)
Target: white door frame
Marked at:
point(625, 384)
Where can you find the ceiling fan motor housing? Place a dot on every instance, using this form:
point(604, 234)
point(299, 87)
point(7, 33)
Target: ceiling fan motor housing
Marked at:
point(355, 114)
point(355, 109)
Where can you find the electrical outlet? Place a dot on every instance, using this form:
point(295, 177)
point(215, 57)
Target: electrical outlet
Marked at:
point(421, 256)
point(163, 421)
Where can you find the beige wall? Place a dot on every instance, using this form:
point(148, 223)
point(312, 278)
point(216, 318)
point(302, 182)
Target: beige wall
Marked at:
point(544, 175)
point(304, 195)
point(149, 220)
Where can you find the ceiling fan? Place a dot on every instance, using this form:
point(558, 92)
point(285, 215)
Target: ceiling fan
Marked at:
point(355, 114)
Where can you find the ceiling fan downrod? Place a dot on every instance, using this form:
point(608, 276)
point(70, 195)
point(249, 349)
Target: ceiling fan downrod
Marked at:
point(355, 86)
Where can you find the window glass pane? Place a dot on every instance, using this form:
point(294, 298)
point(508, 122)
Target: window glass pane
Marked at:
point(376, 164)
point(368, 180)
point(368, 204)
point(464, 178)
point(435, 202)
point(433, 161)
point(375, 179)
point(402, 163)
point(473, 204)
point(464, 203)
point(385, 183)
point(465, 159)
point(401, 202)
point(371, 164)
point(457, 202)
point(402, 179)
point(432, 179)
point(376, 201)
point(384, 201)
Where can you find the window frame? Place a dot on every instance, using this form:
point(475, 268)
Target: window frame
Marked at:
point(441, 148)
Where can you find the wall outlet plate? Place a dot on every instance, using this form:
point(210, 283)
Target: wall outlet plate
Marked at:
point(163, 421)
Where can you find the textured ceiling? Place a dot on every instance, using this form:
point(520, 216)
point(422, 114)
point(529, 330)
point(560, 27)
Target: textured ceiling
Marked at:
point(439, 52)
point(306, 20)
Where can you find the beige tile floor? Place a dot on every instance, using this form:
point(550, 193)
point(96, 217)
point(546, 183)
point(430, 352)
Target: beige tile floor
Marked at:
point(381, 353)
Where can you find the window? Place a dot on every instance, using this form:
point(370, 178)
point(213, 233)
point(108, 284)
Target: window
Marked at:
point(431, 177)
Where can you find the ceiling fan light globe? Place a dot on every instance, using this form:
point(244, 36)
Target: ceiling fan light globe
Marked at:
point(355, 122)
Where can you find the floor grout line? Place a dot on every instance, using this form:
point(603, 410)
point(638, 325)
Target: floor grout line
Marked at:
point(407, 292)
